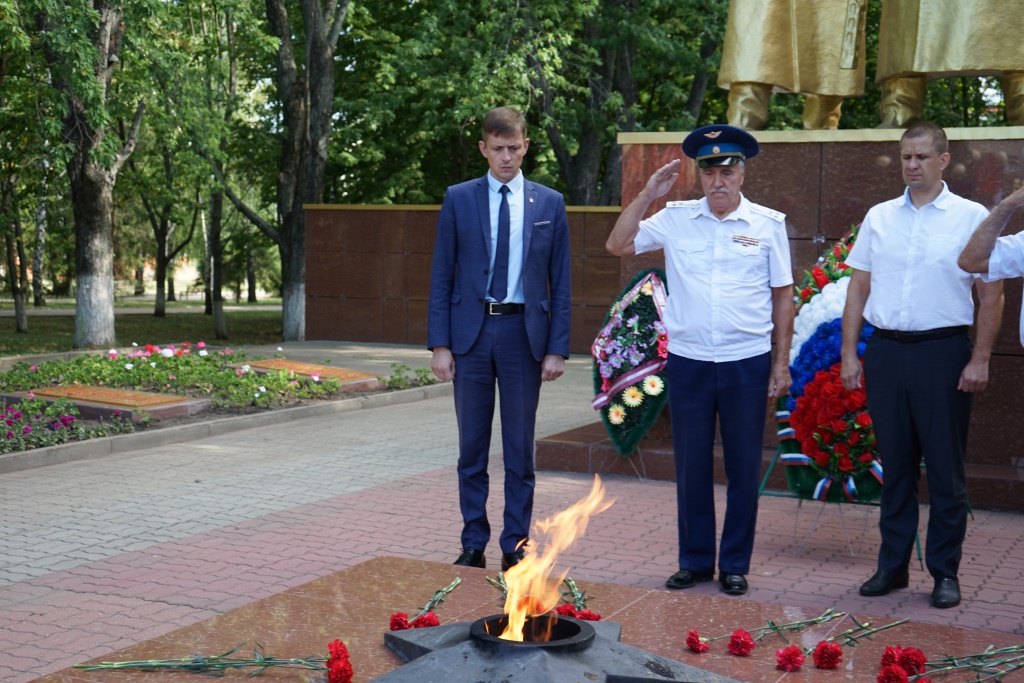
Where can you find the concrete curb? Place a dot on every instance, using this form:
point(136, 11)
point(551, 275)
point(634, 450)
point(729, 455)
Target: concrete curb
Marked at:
point(123, 443)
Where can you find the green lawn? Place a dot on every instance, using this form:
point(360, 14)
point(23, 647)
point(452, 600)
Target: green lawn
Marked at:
point(48, 334)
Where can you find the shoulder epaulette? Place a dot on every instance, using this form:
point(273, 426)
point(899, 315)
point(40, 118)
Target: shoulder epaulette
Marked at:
point(684, 204)
point(771, 213)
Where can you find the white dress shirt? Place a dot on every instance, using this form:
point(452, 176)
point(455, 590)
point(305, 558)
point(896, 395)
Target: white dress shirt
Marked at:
point(720, 275)
point(515, 240)
point(911, 254)
point(1007, 260)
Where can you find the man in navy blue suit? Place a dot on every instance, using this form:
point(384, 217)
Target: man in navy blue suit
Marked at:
point(499, 312)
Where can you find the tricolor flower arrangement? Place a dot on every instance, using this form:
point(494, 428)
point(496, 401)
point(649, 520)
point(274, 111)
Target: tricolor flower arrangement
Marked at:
point(630, 354)
point(827, 440)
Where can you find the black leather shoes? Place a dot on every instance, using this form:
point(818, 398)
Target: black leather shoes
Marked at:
point(684, 578)
point(884, 581)
point(471, 557)
point(946, 593)
point(509, 560)
point(732, 584)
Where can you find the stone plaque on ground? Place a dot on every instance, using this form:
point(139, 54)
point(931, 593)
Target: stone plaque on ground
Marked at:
point(310, 369)
point(109, 395)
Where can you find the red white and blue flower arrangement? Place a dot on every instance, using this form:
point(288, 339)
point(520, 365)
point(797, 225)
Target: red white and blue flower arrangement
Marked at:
point(827, 440)
point(630, 354)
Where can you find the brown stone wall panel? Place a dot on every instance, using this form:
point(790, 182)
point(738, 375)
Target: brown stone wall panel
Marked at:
point(996, 435)
point(629, 266)
point(586, 322)
point(362, 231)
point(323, 273)
point(416, 322)
point(804, 254)
point(639, 162)
point(362, 320)
point(361, 275)
point(577, 232)
point(600, 281)
point(960, 171)
point(997, 166)
point(419, 232)
point(598, 226)
point(323, 230)
point(779, 178)
point(394, 324)
point(577, 266)
point(1008, 341)
point(324, 318)
point(855, 177)
point(407, 276)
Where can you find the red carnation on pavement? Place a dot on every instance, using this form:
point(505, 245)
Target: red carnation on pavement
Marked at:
point(910, 659)
point(741, 643)
point(587, 615)
point(400, 621)
point(694, 642)
point(339, 669)
point(789, 658)
point(893, 674)
point(425, 620)
point(827, 655)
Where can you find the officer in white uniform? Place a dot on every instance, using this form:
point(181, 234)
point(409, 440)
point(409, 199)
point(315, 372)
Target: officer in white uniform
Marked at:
point(730, 292)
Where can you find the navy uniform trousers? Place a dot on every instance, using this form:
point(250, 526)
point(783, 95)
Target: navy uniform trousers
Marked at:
point(500, 354)
point(737, 393)
point(917, 411)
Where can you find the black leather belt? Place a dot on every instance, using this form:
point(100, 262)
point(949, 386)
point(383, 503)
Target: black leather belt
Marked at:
point(494, 308)
point(923, 335)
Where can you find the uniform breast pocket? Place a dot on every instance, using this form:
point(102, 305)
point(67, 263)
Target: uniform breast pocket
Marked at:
point(746, 262)
point(693, 256)
point(943, 250)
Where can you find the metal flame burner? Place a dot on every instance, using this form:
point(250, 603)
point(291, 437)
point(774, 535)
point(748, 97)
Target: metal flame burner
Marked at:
point(547, 631)
point(578, 651)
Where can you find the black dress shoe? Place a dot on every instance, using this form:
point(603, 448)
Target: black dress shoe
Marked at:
point(884, 581)
point(684, 578)
point(732, 584)
point(946, 593)
point(509, 560)
point(471, 557)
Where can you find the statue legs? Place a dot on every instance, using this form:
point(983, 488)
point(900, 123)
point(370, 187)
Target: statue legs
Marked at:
point(902, 101)
point(821, 112)
point(1013, 93)
point(748, 105)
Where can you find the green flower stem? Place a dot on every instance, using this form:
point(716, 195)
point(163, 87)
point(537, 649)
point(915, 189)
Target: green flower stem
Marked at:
point(574, 596)
point(781, 629)
point(214, 664)
point(500, 584)
point(438, 598)
point(987, 662)
point(851, 636)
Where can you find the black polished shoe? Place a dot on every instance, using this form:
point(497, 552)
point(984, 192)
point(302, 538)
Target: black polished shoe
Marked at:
point(684, 578)
point(471, 557)
point(509, 560)
point(732, 584)
point(884, 581)
point(946, 593)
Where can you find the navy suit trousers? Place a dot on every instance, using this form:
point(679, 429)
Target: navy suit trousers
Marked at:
point(735, 392)
point(501, 354)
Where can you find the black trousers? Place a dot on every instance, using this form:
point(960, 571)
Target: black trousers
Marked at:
point(918, 413)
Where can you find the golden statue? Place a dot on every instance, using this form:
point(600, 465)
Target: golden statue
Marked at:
point(815, 47)
point(921, 39)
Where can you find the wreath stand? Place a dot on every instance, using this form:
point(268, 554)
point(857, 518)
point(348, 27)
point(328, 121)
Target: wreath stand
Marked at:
point(817, 520)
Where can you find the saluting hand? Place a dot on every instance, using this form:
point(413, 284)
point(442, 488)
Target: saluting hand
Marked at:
point(663, 179)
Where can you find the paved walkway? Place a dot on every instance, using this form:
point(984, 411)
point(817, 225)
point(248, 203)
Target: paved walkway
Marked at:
point(96, 555)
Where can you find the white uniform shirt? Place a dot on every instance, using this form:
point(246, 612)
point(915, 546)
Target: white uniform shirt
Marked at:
point(1007, 260)
point(720, 275)
point(911, 254)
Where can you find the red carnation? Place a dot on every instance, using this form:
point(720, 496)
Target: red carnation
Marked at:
point(789, 658)
point(806, 293)
point(910, 659)
point(425, 620)
point(694, 642)
point(893, 674)
point(740, 643)
point(837, 251)
point(845, 464)
point(587, 615)
point(854, 438)
point(820, 277)
point(863, 420)
point(827, 655)
point(339, 669)
point(865, 458)
point(566, 610)
point(400, 621)
point(827, 438)
point(842, 448)
point(823, 459)
point(834, 408)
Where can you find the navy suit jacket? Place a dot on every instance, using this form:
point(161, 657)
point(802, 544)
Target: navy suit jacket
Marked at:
point(458, 285)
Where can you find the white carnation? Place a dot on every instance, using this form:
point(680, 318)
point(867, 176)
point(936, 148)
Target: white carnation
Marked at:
point(823, 307)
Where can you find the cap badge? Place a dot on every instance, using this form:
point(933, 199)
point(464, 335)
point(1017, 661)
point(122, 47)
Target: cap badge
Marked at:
point(713, 134)
point(716, 149)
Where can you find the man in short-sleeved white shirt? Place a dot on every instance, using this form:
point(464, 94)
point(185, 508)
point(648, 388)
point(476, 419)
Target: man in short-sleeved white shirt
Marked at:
point(730, 291)
point(997, 258)
point(920, 367)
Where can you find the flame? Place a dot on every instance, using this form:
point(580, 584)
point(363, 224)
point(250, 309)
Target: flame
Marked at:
point(530, 589)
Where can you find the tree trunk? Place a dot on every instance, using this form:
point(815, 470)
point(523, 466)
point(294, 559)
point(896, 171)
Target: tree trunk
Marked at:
point(220, 323)
point(38, 253)
point(17, 279)
point(250, 272)
point(140, 282)
point(160, 275)
point(92, 203)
